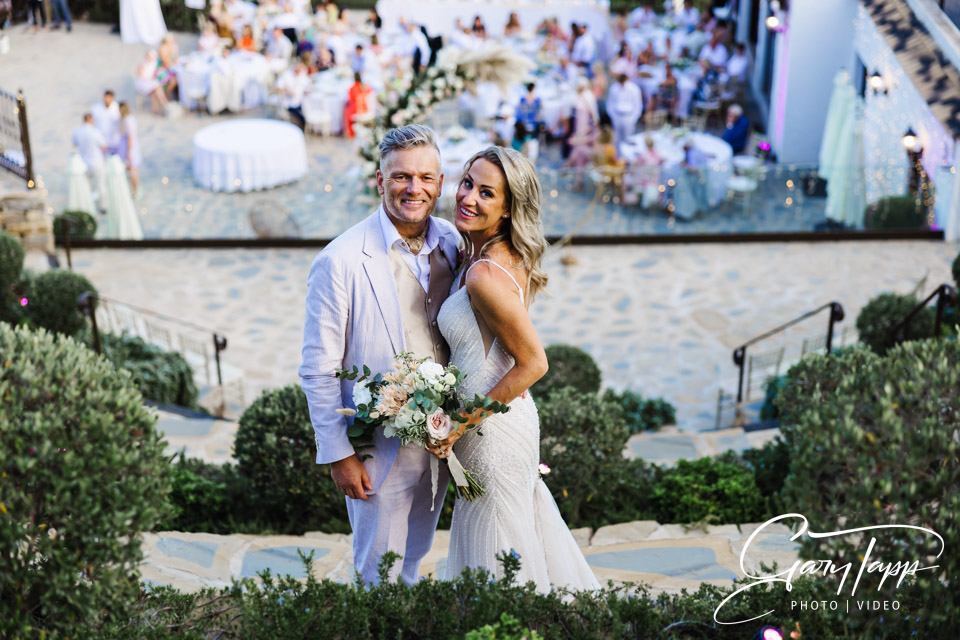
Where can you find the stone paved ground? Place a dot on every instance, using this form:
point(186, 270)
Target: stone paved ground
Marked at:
point(62, 75)
point(667, 557)
point(661, 320)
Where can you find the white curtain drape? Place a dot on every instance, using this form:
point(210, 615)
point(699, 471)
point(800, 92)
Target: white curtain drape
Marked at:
point(837, 112)
point(847, 185)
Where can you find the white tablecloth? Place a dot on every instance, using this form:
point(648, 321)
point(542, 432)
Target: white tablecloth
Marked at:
point(671, 150)
point(638, 39)
point(439, 16)
point(247, 155)
point(249, 73)
point(142, 21)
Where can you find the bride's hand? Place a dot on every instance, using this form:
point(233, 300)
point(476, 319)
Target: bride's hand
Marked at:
point(442, 448)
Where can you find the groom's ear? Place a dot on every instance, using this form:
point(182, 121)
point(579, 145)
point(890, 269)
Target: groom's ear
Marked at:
point(379, 183)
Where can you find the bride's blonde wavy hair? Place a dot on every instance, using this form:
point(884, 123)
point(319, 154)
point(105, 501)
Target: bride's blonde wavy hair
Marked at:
point(523, 230)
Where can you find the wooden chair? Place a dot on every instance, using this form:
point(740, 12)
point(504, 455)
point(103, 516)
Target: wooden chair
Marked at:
point(655, 119)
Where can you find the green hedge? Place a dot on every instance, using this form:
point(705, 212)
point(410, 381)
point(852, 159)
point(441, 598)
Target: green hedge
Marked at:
point(873, 441)
point(162, 376)
point(53, 296)
point(83, 474)
point(569, 367)
point(895, 212)
point(80, 224)
point(879, 316)
point(11, 268)
point(285, 608)
point(642, 414)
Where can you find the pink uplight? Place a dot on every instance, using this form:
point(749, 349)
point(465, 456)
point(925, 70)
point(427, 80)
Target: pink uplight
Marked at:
point(544, 469)
point(772, 634)
point(24, 302)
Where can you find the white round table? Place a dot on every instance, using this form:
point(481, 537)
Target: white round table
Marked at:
point(669, 145)
point(247, 155)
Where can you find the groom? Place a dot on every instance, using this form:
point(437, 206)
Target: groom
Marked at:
point(373, 292)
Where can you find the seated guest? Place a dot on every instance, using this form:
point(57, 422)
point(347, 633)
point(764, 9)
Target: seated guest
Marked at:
point(647, 56)
point(357, 61)
point(706, 85)
point(714, 52)
point(292, 85)
point(642, 16)
point(359, 103)
point(643, 181)
point(624, 64)
point(584, 50)
point(147, 85)
point(738, 128)
point(325, 59)
point(478, 25)
point(221, 20)
point(374, 20)
point(208, 41)
point(167, 55)
point(513, 27)
point(671, 53)
point(225, 91)
point(246, 41)
point(279, 50)
point(669, 96)
point(737, 64)
point(690, 192)
point(688, 16)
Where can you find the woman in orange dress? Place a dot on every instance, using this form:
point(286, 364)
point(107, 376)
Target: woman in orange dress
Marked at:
point(246, 42)
point(358, 103)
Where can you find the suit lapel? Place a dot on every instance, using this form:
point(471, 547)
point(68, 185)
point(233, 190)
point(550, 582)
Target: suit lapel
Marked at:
point(377, 266)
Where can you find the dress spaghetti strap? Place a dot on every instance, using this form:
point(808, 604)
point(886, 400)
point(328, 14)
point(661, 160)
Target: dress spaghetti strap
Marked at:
point(509, 275)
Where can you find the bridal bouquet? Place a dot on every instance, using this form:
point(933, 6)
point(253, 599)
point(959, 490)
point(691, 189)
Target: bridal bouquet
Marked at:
point(419, 401)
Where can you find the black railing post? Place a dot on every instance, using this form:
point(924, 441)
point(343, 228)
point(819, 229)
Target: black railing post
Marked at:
point(87, 303)
point(945, 293)
point(739, 359)
point(836, 315)
point(219, 344)
point(25, 139)
point(66, 241)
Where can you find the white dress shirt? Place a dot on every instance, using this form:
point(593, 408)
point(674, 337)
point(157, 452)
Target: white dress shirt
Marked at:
point(107, 121)
point(584, 50)
point(419, 263)
point(688, 17)
point(89, 143)
point(624, 100)
point(737, 67)
point(296, 85)
point(716, 56)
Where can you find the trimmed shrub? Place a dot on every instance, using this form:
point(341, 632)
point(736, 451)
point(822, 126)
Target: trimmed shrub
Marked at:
point(569, 367)
point(53, 299)
point(895, 212)
point(11, 266)
point(641, 414)
point(80, 224)
point(211, 498)
point(873, 441)
point(879, 316)
point(955, 270)
point(582, 436)
point(83, 475)
point(275, 449)
point(707, 490)
point(162, 376)
point(771, 388)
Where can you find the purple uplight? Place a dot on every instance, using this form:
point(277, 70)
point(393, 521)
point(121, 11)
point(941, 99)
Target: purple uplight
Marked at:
point(24, 302)
point(544, 469)
point(772, 634)
point(764, 146)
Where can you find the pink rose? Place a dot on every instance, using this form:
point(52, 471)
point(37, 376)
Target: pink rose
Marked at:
point(438, 425)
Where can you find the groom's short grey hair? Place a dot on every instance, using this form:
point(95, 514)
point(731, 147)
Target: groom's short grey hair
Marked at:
point(407, 137)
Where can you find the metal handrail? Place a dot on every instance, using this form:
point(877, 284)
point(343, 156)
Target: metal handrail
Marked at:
point(944, 294)
point(740, 353)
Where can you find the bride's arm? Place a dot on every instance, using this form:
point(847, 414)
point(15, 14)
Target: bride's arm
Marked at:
point(496, 299)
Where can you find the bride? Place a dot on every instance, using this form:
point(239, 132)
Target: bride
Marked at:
point(492, 340)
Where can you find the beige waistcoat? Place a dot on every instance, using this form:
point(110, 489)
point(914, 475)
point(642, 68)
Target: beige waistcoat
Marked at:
point(419, 309)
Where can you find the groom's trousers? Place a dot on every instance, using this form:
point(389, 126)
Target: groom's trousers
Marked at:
point(398, 517)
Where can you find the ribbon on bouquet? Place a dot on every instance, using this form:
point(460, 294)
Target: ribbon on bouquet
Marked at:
point(456, 470)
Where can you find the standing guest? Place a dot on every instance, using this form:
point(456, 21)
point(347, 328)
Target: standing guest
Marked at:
point(292, 85)
point(669, 95)
point(737, 64)
point(529, 111)
point(513, 27)
point(600, 86)
point(671, 52)
point(358, 103)
point(106, 116)
point(325, 59)
point(620, 25)
point(642, 16)
point(373, 19)
point(129, 150)
point(209, 41)
point(246, 41)
point(583, 132)
point(584, 51)
point(279, 50)
point(688, 16)
point(221, 19)
point(648, 174)
point(624, 106)
point(714, 52)
point(648, 56)
point(36, 10)
point(738, 128)
point(147, 85)
point(624, 64)
point(92, 145)
point(357, 61)
point(61, 12)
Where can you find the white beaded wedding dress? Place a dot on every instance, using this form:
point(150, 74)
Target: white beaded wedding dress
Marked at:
point(517, 512)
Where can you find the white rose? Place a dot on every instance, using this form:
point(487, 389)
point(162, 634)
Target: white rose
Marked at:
point(431, 372)
point(439, 425)
point(361, 395)
point(450, 379)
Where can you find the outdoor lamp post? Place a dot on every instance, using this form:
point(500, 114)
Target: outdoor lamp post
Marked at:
point(914, 154)
point(876, 83)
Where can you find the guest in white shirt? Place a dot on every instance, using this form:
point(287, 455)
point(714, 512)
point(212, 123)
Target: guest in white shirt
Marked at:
point(208, 41)
point(279, 50)
point(624, 106)
point(293, 85)
point(584, 49)
point(670, 52)
point(642, 16)
point(106, 116)
point(91, 145)
point(417, 46)
point(624, 63)
point(688, 16)
point(714, 52)
point(737, 64)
